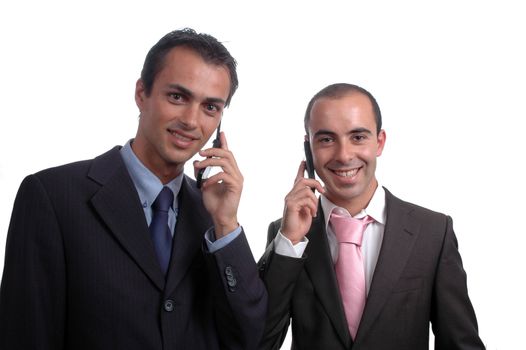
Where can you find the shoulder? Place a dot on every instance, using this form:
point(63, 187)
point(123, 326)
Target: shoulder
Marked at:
point(72, 175)
point(104, 160)
point(275, 225)
point(414, 211)
point(273, 230)
point(430, 226)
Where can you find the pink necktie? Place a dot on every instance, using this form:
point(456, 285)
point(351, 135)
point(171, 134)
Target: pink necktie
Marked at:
point(349, 266)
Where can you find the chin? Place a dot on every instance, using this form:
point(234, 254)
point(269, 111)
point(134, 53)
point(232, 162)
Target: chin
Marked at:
point(175, 155)
point(347, 193)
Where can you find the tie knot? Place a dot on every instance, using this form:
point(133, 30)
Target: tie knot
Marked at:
point(348, 229)
point(164, 200)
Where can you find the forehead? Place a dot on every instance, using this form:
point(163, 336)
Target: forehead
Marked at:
point(348, 111)
point(184, 66)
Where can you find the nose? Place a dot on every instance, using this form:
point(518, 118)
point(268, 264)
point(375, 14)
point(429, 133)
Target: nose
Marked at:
point(345, 152)
point(189, 116)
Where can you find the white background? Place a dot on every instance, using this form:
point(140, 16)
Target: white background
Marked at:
point(449, 77)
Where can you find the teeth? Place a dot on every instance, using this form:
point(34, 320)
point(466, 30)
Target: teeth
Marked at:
point(348, 173)
point(179, 136)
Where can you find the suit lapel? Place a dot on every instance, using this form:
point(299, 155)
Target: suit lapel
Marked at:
point(118, 204)
point(399, 237)
point(192, 223)
point(320, 268)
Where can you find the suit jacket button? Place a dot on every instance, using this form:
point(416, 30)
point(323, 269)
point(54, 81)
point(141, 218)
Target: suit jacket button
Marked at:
point(231, 282)
point(169, 305)
point(262, 265)
point(228, 271)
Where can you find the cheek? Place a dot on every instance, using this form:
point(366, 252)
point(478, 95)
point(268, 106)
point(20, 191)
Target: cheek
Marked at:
point(209, 131)
point(370, 154)
point(163, 112)
point(209, 126)
point(202, 144)
point(321, 156)
point(151, 123)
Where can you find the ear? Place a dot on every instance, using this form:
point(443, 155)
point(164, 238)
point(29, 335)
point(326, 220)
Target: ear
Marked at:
point(380, 142)
point(140, 94)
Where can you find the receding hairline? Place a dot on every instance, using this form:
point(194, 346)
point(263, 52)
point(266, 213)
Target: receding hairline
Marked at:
point(339, 91)
point(340, 96)
point(210, 61)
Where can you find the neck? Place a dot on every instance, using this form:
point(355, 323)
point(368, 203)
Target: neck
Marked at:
point(164, 172)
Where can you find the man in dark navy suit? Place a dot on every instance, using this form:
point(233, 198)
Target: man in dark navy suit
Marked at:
point(84, 268)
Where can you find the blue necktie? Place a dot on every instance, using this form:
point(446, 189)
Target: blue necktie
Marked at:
point(161, 235)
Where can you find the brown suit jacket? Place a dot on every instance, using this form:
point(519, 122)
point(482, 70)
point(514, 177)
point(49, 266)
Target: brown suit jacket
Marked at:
point(418, 279)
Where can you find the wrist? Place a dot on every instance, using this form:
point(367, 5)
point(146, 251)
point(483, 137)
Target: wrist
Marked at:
point(222, 229)
point(294, 239)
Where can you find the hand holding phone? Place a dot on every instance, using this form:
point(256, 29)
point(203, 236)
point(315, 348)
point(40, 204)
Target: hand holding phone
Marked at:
point(204, 174)
point(221, 190)
point(301, 205)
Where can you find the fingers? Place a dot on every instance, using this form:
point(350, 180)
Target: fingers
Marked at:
point(233, 182)
point(301, 205)
point(301, 171)
point(302, 181)
point(210, 151)
point(223, 158)
point(230, 174)
point(222, 137)
point(217, 157)
point(221, 152)
point(302, 200)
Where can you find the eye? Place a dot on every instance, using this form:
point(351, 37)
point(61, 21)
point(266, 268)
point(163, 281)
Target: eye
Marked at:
point(359, 137)
point(175, 96)
point(211, 107)
point(325, 139)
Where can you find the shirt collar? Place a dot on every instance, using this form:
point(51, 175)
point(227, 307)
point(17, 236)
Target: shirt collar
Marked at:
point(147, 184)
point(375, 209)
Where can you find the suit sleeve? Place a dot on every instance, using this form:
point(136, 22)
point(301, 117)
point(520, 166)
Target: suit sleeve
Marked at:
point(452, 315)
point(32, 295)
point(240, 298)
point(280, 274)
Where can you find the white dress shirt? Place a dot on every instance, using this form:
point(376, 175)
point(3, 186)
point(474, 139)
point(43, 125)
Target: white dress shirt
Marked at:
point(372, 238)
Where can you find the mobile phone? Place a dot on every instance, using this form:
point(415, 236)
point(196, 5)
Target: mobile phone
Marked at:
point(204, 173)
point(308, 160)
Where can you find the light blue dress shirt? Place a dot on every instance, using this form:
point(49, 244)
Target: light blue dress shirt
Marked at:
point(148, 187)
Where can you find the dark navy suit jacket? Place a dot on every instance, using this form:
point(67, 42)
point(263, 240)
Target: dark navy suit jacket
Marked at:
point(81, 271)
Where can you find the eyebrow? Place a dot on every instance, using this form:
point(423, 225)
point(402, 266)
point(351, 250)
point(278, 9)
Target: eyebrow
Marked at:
point(332, 133)
point(324, 132)
point(360, 130)
point(189, 93)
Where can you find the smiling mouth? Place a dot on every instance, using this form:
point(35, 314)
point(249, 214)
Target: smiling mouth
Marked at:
point(180, 136)
point(347, 173)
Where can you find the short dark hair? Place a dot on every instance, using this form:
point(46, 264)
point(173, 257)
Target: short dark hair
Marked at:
point(339, 90)
point(208, 47)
